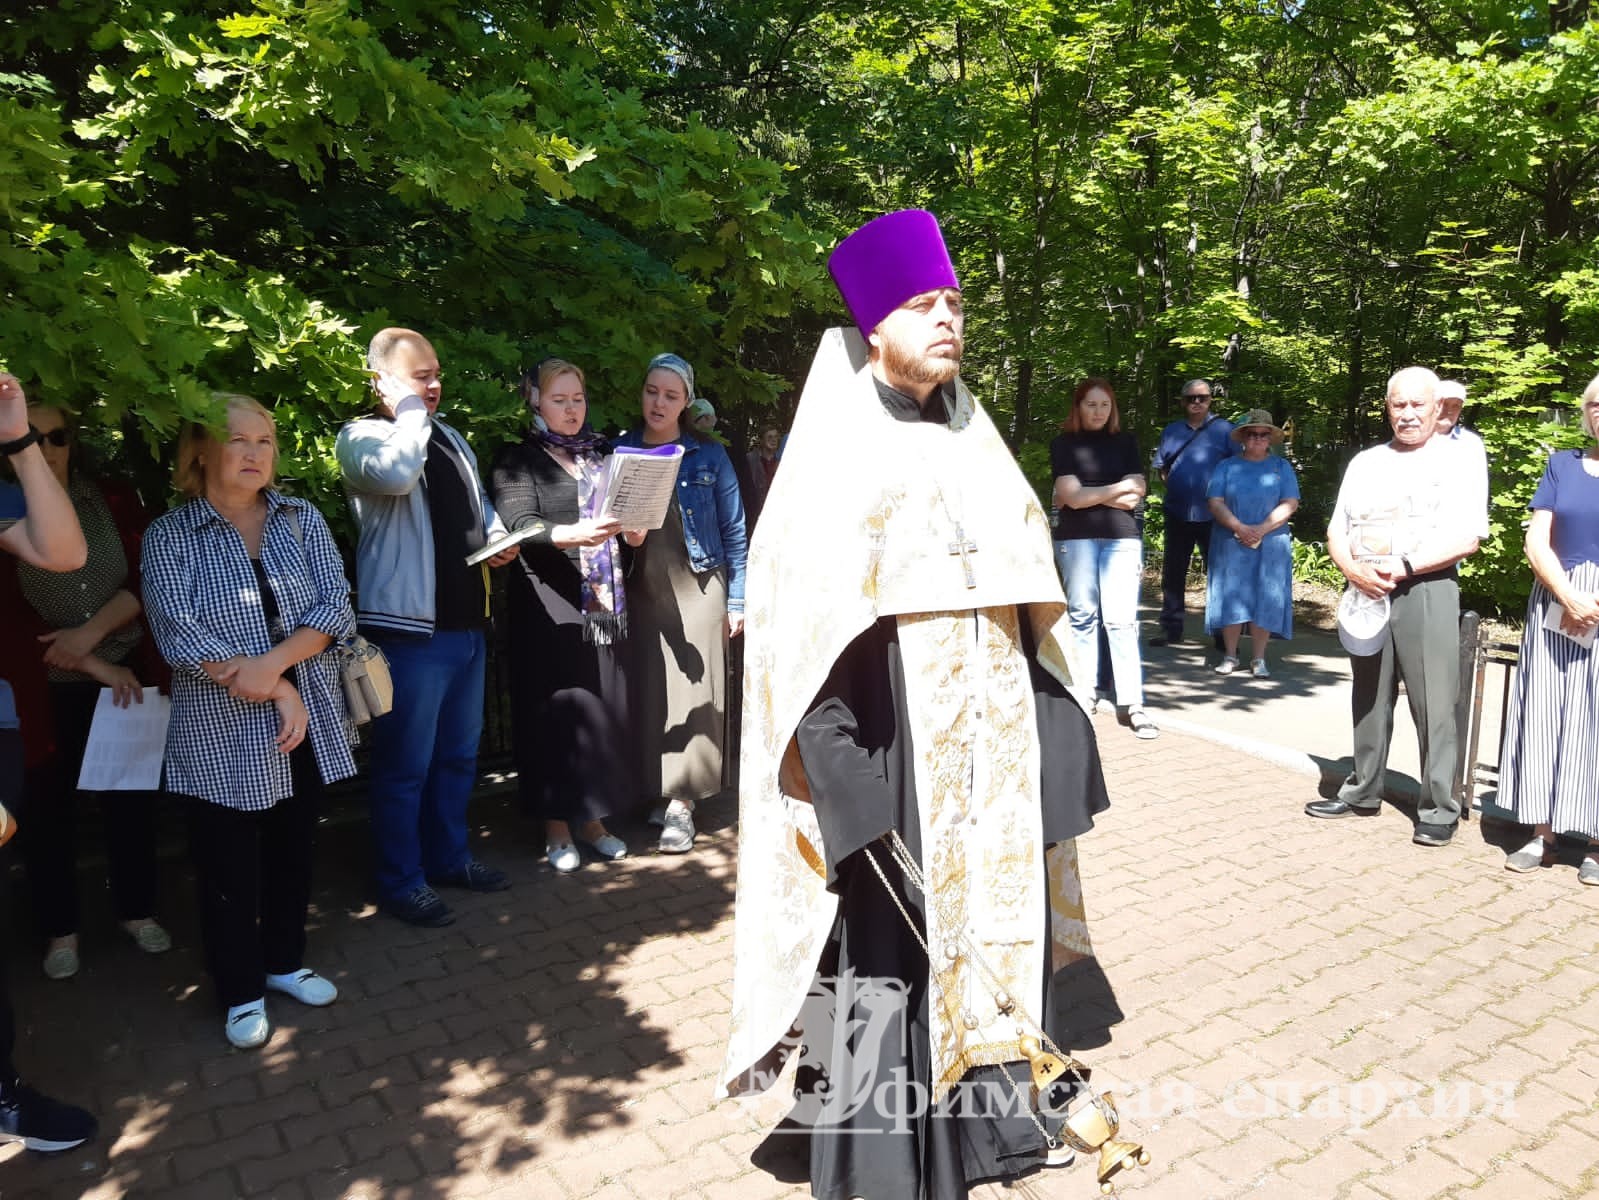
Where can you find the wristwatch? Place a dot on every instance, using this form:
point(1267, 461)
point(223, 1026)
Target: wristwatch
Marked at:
point(18, 445)
point(1410, 571)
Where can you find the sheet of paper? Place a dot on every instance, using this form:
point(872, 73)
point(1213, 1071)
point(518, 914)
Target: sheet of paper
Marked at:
point(126, 745)
point(1554, 614)
point(639, 485)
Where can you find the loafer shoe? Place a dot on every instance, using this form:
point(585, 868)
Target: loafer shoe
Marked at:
point(39, 1122)
point(421, 906)
point(1536, 853)
point(1589, 872)
point(1339, 808)
point(247, 1026)
point(610, 847)
point(1433, 835)
point(304, 985)
point(62, 963)
point(658, 815)
point(474, 877)
point(563, 856)
point(1166, 639)
point(677, 834)
point(149, 936)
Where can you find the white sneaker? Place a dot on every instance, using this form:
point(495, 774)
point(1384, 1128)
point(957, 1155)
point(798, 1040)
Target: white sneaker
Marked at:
point(1257, 668)
point(608, 846)
point(304, 985)
point(677, 830)
point(247, 1026)
point(563, 856)
point(1227, 665)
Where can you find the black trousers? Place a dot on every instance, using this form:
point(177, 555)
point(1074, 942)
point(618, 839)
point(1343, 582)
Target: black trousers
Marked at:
point(253, 871)
point(48, 836)
point(10, 796)
point(1182, 539)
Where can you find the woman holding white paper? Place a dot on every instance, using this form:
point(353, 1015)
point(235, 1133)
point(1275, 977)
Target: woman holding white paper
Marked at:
point(687, 584)
point(84, 633)
point(246, 594)
point(1549, 762)
point(568, 622)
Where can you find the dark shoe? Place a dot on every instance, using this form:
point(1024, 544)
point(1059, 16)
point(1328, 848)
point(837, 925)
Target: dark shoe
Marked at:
point(41, 1123)
point(1166, 639)
point(1339, 808)
point(1434, 835)
point(420, 907)
point(474, 877)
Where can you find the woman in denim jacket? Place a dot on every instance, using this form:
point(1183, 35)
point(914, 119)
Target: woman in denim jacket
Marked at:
point(686, 598)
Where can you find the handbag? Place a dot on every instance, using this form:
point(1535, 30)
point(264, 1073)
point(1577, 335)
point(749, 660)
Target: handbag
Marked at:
point(366, 680)
point(364, 674)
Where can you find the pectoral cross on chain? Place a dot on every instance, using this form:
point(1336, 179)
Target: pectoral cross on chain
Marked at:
point(965, 549)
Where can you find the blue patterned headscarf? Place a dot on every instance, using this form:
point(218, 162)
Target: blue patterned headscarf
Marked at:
point(678, 366)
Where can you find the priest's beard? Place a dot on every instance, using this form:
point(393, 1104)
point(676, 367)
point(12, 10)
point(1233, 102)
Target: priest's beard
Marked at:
point(902, 362)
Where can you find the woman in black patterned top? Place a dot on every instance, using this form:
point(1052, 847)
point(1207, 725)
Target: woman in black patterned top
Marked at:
point(90, 636)
point(568, 621)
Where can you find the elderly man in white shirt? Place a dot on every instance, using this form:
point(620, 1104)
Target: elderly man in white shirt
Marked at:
point(1406, 515)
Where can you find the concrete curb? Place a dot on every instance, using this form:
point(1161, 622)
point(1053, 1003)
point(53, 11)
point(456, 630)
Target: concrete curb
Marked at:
point(1395, 790)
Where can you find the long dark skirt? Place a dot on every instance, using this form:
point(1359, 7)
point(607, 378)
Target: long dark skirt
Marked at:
point(569, 715)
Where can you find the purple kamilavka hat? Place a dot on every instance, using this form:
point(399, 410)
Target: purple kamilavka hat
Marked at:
point(887, 261)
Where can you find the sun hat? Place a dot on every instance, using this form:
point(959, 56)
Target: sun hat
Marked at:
point(887, 261)
point(1257, 418)
point(1362, 621)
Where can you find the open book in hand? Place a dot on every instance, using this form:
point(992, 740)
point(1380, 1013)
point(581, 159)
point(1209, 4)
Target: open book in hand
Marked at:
point(638, 484)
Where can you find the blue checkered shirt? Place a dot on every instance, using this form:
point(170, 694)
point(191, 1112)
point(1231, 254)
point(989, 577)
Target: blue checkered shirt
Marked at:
point(204, 605)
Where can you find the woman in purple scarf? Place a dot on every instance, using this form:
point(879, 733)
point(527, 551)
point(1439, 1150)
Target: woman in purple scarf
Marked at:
point(568, 619)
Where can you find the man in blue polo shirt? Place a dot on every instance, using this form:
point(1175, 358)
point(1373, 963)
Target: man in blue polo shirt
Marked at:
point(1187, 454)
point(37, 524)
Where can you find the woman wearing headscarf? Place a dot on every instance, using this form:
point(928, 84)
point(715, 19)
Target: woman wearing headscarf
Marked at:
point(1252, 496)
point(247, 595)
point(568, 619)
point(1549, 766)
point(84, 633)
point(686, 590)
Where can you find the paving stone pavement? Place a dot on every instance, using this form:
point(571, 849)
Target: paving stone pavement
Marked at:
point(1313, 1009)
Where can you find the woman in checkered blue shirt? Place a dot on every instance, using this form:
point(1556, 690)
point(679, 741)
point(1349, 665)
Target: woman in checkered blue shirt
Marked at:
point(246, 596)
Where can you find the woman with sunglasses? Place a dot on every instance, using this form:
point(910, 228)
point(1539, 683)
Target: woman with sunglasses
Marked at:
point(1252, 496)
point(84, 633)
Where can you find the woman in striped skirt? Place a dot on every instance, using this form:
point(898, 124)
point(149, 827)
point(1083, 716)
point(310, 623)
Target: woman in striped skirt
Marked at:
point(1549, 766)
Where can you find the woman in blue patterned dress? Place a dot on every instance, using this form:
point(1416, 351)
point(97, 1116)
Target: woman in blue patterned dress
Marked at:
point(1252, 496)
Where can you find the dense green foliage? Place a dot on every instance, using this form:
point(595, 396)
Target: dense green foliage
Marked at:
point(1295, 199)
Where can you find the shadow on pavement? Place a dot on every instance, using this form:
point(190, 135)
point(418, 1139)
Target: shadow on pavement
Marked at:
point(513, 1009)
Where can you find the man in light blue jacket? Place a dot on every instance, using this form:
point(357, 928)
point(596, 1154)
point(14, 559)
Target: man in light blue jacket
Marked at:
point(414, 486)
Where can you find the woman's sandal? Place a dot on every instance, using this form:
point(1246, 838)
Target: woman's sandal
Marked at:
point(1143, 728)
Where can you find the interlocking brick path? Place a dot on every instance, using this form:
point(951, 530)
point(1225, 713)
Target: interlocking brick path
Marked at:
point(1313, 1009)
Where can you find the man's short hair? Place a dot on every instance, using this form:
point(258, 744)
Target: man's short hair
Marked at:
point(385, 342)
point(1407, 377)
point(1193, 383)
point(1451, 389)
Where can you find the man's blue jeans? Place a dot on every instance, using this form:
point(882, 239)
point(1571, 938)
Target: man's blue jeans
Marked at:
point(424, 757)
point(1102, 576)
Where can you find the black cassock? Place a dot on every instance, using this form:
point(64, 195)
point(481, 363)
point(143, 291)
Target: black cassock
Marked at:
point(859, 761)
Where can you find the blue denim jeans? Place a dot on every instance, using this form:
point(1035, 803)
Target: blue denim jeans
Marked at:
point(1101, 576)
point(424, 757)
